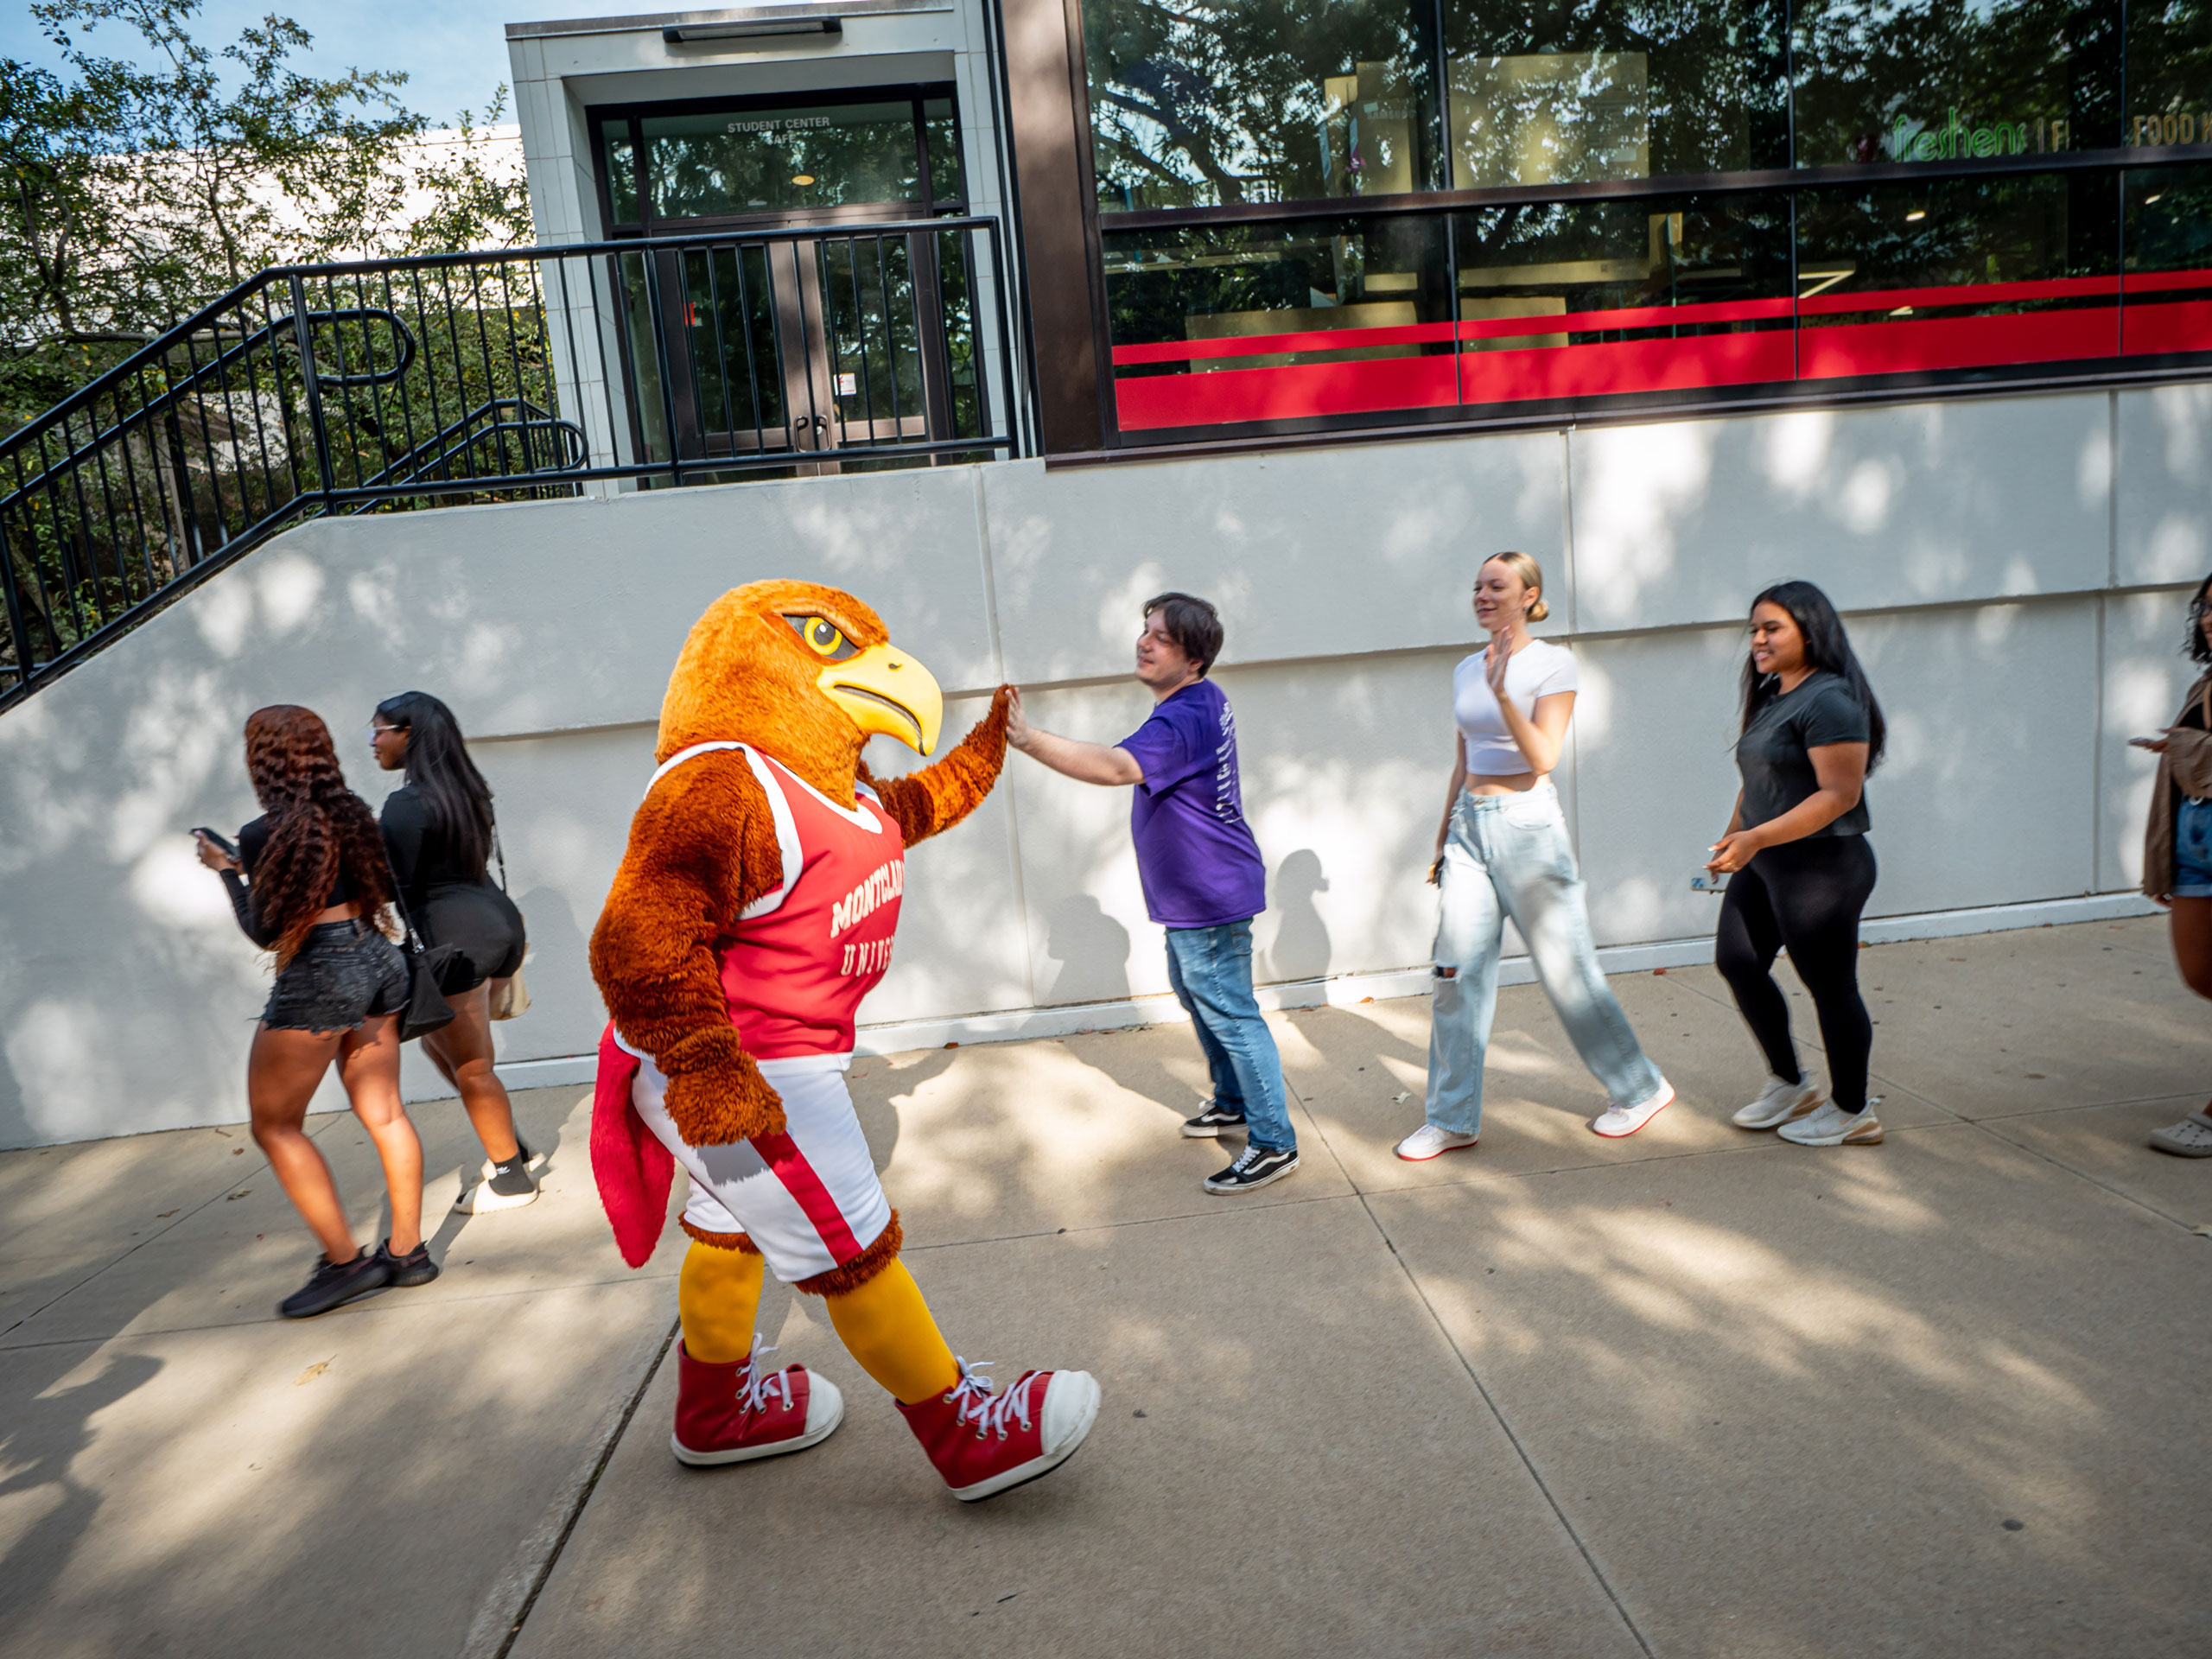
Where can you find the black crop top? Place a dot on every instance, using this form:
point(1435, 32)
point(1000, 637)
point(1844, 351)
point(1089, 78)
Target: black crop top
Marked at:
point(253, 841)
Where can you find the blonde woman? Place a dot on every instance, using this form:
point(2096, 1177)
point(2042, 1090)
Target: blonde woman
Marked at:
point(1501, 850)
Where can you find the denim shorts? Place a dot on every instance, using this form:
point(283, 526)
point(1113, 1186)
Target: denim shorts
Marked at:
point(2193, 850)
point(346, 973)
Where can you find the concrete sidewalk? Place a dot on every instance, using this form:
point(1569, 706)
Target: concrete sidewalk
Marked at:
point(1697, 1392)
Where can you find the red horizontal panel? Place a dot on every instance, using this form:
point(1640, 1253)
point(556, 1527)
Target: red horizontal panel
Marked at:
point(1922, 344)
point(2165, 282)
point(2175, 325)
point(1298, 392)
point(1628, 365)
point(2057, 287)
point(1317, 340)
point(1641, 316)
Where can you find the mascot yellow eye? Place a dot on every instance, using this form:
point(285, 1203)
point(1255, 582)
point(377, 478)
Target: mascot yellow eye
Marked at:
point(823, 638)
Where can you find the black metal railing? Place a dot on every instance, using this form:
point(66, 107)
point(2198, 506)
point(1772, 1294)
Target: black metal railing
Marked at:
point(397, 384)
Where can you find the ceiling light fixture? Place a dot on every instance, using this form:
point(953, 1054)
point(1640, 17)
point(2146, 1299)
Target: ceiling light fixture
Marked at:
point(678, 33)
point(802, 178)
point(1916, 214)
point(2147, 201)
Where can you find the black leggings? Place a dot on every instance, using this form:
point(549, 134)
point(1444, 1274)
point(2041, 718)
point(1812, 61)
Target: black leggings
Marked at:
point(1806, 895)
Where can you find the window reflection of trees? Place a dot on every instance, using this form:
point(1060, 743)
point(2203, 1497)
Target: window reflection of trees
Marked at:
point(1544, 92)
point(1201, 103)
point(1874, 75)
point(702, 170)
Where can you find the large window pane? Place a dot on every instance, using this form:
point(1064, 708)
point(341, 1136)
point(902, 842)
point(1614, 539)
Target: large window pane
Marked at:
point(1599, 299)
point(1882, 81)
point(2169, 261)
point(1539, 94)
point(1279, 322)
point(1961, 274)
point(2169, 73)
point(1213, 101)
point(829, 155)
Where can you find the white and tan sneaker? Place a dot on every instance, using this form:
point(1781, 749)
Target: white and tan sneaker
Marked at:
point(1778, 1102)
point(1428, 1142)
point(1831, 1126)
point(1618, 1120)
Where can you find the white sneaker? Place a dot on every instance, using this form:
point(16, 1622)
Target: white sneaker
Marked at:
point(1778, 1102)
point(1428, 1142)
point(1833, 1127)
point(1618, 1120)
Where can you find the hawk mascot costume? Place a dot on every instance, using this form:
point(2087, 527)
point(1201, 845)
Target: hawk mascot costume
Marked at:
point(754, 910)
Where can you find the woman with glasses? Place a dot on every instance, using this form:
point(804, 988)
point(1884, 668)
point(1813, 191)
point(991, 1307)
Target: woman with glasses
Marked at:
point(308, 882)
point(439, 829)
point(2178, 846)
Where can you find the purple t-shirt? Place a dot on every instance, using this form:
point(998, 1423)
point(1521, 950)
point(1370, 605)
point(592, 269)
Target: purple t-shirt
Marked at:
point(1196, 856)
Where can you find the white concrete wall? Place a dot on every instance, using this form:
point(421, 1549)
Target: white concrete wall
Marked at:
point(2016, 571)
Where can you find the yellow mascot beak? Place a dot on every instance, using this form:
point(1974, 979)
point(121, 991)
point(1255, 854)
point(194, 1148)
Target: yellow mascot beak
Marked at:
point(886, 690)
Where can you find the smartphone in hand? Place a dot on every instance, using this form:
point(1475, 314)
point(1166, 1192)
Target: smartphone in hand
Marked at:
point(1707, 881)
point(2146, 742)
point(223, 844)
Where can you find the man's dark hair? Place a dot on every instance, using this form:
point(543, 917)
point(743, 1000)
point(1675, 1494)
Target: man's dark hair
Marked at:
point(1192, 623)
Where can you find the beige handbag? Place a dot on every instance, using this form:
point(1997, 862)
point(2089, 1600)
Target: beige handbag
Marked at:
point(509, 998)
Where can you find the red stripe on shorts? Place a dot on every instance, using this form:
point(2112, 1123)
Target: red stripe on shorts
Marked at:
point(790, 1168)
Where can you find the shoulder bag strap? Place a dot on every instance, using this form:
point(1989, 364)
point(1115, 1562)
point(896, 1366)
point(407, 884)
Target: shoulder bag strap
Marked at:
point(500, 854)
point(406, 921)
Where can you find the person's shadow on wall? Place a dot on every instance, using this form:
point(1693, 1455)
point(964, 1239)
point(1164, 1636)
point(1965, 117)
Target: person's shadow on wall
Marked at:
point(1300, 949)
point(1092, 950)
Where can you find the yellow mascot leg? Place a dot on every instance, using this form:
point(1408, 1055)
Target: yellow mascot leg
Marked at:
point(887, 1326)
point(717, 1296)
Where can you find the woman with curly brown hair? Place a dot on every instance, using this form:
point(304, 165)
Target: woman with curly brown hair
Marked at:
point(309, 882)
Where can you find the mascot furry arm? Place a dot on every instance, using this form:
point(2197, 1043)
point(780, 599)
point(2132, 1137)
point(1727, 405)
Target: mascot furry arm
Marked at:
point(804, 674)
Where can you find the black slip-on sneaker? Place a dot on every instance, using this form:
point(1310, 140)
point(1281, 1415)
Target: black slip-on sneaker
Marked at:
point(1212, 1122)
point(337, 1282)
point(1255, 1167)
point(411, 1269)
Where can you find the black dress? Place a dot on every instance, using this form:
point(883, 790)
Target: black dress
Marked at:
point(449, 903)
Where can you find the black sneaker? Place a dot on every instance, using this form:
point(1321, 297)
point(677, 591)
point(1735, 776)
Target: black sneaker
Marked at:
point(411, 1269)
point(506, 1186)
point(337, 1282)
point(1212, 1122)
point(1255, 1167)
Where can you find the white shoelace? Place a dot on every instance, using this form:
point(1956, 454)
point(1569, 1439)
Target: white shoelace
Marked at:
point(753, 1393)
point(980, 1406)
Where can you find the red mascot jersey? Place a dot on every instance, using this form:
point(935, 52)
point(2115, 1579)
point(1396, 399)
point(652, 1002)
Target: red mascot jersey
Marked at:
point(803, 956)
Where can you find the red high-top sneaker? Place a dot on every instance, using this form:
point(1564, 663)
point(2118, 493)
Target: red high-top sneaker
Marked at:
point(734, 1413)
point(983, 1442)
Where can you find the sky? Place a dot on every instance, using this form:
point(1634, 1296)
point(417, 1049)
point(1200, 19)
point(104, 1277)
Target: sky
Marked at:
point(455, 51)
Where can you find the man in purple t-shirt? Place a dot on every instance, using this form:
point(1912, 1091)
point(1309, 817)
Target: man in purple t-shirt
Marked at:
point(1203, 878)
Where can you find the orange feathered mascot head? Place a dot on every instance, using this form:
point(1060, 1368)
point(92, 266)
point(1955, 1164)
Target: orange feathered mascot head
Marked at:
point(803, 672)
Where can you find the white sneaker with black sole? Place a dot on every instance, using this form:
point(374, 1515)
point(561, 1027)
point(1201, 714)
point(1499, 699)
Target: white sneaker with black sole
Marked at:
point(1255, 1167)
point(1778, 1102)
point(504, 1186)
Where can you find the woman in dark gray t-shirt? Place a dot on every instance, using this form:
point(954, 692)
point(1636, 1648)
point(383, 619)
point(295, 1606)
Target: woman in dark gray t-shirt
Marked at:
point(1800, 866)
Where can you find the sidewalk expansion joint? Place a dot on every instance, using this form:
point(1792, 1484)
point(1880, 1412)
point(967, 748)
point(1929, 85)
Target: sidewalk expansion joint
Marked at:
point(1512, 1439)
point(584, 1490)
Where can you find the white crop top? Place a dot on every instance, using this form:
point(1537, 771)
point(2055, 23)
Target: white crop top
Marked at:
point(1536, 671)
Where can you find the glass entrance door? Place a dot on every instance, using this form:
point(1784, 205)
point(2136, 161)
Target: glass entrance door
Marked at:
point(810, 339)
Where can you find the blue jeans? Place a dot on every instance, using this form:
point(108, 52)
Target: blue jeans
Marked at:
point(2193, 850)
point(1210, 969)
point(1508, 855)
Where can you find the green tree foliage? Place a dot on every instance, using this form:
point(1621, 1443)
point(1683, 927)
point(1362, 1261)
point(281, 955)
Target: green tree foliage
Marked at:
point(137, 190)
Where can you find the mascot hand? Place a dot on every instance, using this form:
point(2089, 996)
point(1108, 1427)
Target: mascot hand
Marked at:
point(717, 1095)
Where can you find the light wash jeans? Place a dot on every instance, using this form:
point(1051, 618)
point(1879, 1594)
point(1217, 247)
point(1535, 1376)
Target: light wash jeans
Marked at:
point(1508, 855)
point(1210, 969)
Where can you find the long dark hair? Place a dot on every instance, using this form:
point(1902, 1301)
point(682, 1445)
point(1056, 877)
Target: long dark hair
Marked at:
point(2194, 647)
point(1826, 646)
point(317, 827)
point(456, 798)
